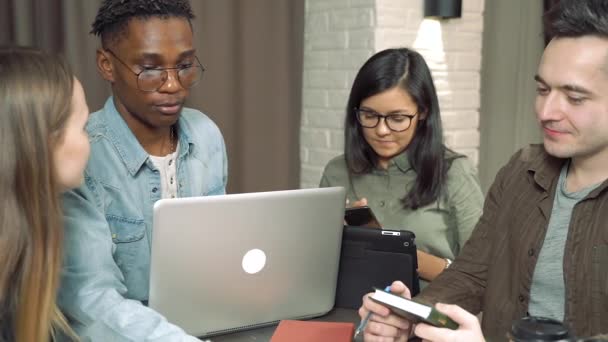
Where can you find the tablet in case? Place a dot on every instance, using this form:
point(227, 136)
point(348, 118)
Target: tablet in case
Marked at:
point(372, 257)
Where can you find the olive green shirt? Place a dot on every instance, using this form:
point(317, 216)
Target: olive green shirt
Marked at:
point(442, 227)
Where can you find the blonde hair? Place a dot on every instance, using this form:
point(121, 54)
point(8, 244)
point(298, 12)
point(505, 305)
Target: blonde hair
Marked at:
point(35, 104)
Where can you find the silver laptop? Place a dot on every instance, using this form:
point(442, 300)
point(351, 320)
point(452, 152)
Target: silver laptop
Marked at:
point(233, 262)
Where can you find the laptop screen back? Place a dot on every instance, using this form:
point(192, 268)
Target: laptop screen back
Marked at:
point(231, 262)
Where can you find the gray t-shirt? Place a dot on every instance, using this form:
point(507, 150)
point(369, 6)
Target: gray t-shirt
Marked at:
point(547, 293)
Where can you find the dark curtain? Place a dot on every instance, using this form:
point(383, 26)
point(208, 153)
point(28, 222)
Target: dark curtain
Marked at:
point(43, 32)
point(61, 26)
point(7, 32)
point(252, 88)
point(253, 52)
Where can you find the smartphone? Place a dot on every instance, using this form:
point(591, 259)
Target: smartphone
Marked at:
point(361, 216)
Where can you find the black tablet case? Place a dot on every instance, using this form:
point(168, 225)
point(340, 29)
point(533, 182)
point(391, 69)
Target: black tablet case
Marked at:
point(372, 257)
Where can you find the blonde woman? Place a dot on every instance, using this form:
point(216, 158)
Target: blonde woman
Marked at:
point(43, 151)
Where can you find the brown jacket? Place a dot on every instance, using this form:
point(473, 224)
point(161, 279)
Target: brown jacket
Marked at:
point(493, 272)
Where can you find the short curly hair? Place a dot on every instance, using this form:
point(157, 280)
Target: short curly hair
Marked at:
point(114, 15)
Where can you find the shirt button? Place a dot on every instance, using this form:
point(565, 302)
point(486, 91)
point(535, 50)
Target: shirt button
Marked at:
point(154, 190)
point(171, 180)
point(531, 252)
point(522, 298)
point(170, 162)
point(382, 203)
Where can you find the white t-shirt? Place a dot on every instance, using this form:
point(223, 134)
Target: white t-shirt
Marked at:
point(168, 170)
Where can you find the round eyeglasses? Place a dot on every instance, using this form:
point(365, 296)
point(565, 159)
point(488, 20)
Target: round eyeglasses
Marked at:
point(151, 80)
point(396, 122)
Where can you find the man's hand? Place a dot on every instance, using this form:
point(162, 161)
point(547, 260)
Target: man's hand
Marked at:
point(469, 329)
point(383, 325)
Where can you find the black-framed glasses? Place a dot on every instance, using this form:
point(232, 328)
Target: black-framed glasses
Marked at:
point(396, 122)
point(152, 79)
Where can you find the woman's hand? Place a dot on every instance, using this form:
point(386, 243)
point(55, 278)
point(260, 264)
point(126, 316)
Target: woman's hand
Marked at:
point(429, 266)
point(358, 203)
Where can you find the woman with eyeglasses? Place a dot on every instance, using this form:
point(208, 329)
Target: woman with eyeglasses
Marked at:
point(43, 152)
point(395, 160)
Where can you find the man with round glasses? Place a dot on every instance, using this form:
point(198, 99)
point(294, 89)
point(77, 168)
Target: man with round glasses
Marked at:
point(150, 79)
point(145, 145)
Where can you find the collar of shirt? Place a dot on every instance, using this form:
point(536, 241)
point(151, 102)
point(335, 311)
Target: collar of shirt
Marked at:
point(545, 170)
point(399, 163)
point(130, 150)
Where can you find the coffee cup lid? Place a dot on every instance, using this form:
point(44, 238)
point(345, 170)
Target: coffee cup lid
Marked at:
point(534, 328)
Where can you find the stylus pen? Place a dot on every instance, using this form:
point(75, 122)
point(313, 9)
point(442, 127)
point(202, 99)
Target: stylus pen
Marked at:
point(363, 323)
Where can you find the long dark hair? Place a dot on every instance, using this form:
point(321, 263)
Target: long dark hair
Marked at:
point(407, 69)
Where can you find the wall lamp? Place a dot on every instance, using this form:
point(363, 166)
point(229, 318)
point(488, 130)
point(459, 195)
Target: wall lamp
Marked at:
point(442, 9)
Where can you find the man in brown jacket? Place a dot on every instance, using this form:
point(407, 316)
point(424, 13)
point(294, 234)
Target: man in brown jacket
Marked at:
point(541, 245)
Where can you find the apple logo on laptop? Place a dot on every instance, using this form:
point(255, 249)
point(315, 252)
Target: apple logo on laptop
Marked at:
point(254, 261)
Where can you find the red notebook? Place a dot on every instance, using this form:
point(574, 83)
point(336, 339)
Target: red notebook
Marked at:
point(307, 331)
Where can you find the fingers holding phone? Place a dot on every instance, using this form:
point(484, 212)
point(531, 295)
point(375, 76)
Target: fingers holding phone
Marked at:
point(358, 203)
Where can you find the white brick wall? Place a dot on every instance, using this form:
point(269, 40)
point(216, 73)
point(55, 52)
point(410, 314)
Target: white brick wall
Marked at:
point(341, 34)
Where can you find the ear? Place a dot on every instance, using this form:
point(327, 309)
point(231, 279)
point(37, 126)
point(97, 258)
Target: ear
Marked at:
point(104, 65)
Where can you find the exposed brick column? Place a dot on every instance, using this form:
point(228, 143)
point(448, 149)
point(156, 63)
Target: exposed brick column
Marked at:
point(341, 34)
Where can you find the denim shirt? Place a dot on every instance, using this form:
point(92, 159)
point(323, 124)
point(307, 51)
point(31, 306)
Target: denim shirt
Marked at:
point(108, 225)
